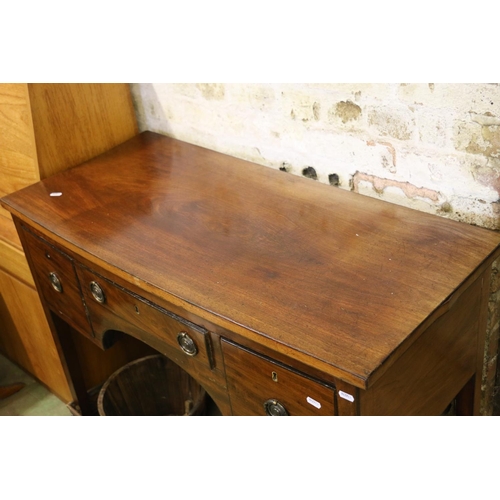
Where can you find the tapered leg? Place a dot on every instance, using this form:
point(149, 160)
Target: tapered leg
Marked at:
point(465, 399)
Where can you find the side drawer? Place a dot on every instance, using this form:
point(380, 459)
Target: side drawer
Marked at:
point(260, 386)
point(57, 281)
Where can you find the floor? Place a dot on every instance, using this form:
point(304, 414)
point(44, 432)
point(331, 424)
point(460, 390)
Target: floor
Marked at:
point(33, 400)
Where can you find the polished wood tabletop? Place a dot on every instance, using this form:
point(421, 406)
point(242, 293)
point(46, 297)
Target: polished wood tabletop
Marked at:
point(343, 279)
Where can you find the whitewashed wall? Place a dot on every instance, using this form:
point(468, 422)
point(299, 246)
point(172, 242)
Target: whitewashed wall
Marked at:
point(430, 146)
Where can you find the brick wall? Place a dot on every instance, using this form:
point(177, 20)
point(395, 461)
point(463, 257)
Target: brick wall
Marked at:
point(430, 146)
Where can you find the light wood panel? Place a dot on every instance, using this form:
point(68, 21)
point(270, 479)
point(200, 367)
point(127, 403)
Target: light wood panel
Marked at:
point(18, 162)
point(46, 128)
point(75, 122)
point(25, 336)
point(13, 261)
point(8, 231)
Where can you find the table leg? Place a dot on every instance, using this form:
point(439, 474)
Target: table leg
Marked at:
point(71, 363)
point(465, 399)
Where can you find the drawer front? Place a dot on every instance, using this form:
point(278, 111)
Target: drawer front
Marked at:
point(114, 308)
point(259, 386)
point(57, 282)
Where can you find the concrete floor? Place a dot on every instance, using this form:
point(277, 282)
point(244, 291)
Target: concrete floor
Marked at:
point(33, 400)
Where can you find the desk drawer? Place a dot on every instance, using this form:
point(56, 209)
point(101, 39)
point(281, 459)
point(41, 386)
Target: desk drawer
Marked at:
point(114, 308)
point(259, 386)
point(57, 282)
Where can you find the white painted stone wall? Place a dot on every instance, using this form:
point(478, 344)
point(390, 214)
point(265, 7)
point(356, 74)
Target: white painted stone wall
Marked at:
point(431, 146)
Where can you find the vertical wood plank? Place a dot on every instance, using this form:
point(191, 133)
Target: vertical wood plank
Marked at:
point(68, 123)
point(18, 162)
point(76, 122)
point(25, 336)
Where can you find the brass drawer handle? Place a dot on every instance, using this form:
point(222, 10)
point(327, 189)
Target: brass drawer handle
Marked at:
point(275, 409)
point(55, 282)
point(97, 292)
point(187, 344)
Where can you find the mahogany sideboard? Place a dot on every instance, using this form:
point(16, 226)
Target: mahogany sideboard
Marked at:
point(278, 294)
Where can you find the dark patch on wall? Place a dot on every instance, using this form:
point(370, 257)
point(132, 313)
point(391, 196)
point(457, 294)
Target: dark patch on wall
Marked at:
point(334, 179)
point(310, 172)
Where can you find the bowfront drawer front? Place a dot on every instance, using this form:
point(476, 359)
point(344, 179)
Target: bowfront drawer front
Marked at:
point(259, 386)
point(112, 307)
point(57, 282)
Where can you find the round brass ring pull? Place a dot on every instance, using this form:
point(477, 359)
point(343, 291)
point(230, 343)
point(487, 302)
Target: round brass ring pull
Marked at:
point(97, 292)
point(55, 282)
point(275, 409)
point(187, 344)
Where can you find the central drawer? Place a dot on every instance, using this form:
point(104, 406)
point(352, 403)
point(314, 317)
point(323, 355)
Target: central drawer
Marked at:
point(113, 308)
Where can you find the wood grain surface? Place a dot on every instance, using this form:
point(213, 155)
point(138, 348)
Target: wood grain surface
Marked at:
point(253, 380)
point(426, 378)
point(67, 303)
point(12, 259)
point(338, 278)
point(24, 334)
point(45, 128)
point(157, 328)
point(18, 161)
point(74, 122)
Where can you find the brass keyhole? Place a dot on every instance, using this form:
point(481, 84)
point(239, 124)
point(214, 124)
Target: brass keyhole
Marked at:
point(274, 376)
